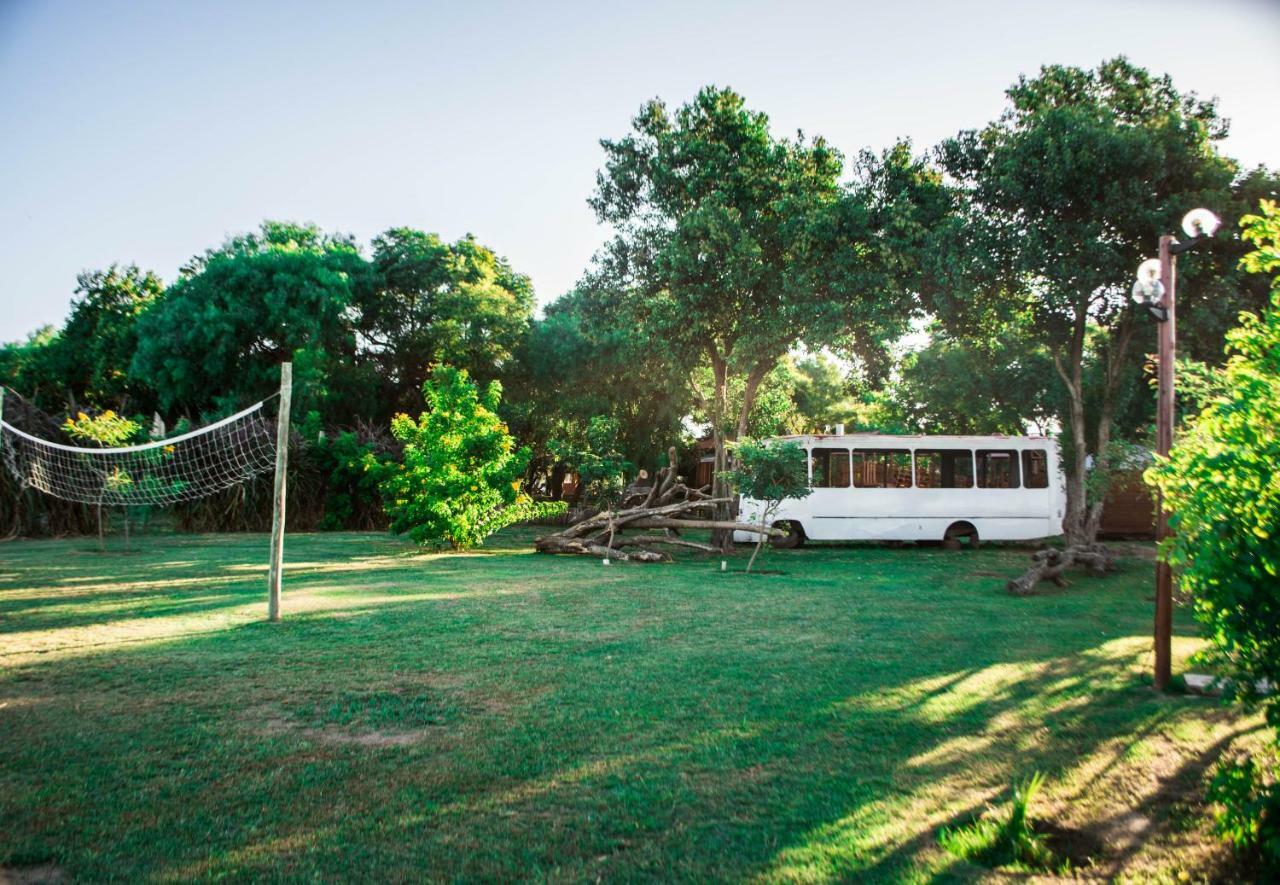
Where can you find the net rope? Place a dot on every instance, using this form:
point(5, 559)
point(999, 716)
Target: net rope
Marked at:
point(168, 471)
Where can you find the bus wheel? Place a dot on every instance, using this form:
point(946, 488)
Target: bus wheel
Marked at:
point(957, 531)
point(793, 538)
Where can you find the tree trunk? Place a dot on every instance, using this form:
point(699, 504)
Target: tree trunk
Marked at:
point(720, 539)
point(1072, 375)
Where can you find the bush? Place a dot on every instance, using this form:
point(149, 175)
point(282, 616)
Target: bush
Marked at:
point(1249, 808)
point(460, 478)
point(1221, 484)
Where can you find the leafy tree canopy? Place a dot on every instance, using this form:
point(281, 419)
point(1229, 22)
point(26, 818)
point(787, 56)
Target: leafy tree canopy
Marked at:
point(429, 301)
point(86, 363)
point(220, 333)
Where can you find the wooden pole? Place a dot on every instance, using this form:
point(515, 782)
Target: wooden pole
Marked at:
point(277, 512)
point(1164, 442)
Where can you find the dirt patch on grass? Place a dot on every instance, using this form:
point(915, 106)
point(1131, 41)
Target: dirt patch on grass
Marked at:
point(335, 736)
point(31, 875)
point(1150, 814)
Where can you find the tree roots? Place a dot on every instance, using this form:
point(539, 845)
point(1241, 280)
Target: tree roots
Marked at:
point(1048, 565)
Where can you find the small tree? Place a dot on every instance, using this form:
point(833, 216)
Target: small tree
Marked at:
point(768, 473)
point(1221, 484)
point(459, 481)
point(107, 430)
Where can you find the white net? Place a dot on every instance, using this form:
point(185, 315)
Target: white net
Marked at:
point(182, 468)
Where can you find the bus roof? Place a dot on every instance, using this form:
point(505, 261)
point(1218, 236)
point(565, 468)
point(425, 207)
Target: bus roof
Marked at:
point(913, 438)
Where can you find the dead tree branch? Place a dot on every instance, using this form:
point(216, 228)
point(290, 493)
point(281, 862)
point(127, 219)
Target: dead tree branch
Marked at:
point(667, 503)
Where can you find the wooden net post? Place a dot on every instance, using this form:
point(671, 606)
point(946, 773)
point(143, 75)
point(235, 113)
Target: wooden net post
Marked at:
point(278, 500)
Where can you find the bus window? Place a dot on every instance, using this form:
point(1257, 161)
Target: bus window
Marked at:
point(882, 468)
point(997, 469)
point(1035, 469)
point(944, 469)
point(830, 468)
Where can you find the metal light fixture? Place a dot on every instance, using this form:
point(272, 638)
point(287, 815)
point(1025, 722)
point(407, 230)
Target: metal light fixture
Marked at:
point(1148, 290)
point(1200, 223)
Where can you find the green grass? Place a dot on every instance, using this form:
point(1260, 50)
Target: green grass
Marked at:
point(504, 714)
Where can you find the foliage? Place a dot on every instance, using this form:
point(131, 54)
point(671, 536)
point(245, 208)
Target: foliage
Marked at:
point(598, 461)
point(995, 383)
point(768, 473)
point(86, 362)
point(1248, 814)
point(1221, 485)
point(733, 245)
point(430, 302)
point(578, 363)
point(106, 429)
point(460, 476)
point(773, 409)
point(822, 394)
point(221, 331)
point(351, 464)
point(1199, 385)
point(1005, 841)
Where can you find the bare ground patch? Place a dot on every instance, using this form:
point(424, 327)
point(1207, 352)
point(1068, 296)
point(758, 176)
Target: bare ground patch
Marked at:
point(31, 875)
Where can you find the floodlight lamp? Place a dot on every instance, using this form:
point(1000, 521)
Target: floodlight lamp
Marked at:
point(1148, 289)
point(1200, 223)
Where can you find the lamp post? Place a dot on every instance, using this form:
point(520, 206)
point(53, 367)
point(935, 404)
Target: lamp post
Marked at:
point(1154, 289)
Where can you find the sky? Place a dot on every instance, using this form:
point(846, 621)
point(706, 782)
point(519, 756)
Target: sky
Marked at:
point(148, 132)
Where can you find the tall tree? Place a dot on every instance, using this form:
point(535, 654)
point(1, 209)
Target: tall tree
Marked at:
point(101, 336)
point(86, 362)
point(236, 312)
point(733, 245)
point(999, 381)
point(823, 394)
point(1066, 192)
point(430, 302)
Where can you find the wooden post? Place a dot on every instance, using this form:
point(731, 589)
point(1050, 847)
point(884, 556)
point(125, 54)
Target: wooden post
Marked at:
point(1164, 441)
point(277, 512)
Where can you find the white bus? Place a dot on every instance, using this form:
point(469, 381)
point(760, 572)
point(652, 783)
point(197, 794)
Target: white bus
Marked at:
point(872, 487)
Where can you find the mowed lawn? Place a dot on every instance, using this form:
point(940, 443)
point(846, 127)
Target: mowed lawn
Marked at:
point(504, 714)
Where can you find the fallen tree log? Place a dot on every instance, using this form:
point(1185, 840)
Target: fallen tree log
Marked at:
point(667, 504)
point(1048, 565)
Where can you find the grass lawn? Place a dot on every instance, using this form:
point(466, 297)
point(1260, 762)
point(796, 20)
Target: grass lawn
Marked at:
point(503, 714)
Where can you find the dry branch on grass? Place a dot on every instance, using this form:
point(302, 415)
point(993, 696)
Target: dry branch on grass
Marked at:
point(667, 504)
point(1048, 565)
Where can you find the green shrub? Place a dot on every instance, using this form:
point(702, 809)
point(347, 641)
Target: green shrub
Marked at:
point(1221, 483)
point(460, 477)
point(348, 466)
point(1248, 800)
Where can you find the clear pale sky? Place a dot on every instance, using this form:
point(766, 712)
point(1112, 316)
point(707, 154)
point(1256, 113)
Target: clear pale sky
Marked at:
point(147, 132)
